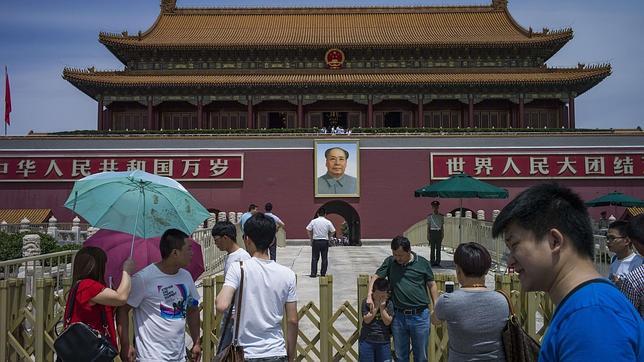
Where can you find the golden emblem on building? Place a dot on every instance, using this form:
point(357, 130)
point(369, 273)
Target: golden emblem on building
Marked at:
point(334, 58)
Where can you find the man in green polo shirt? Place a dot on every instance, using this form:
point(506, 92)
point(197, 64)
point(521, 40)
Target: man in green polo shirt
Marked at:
point(410, 277)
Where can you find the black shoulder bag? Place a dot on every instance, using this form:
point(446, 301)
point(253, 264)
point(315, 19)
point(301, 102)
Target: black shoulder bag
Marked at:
point(518, 345)
point(80, 342)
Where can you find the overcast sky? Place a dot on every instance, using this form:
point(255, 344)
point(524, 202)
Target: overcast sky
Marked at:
point(38, 38)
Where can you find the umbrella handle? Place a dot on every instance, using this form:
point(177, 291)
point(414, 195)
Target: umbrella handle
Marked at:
point(136, 221)
point(75, 199)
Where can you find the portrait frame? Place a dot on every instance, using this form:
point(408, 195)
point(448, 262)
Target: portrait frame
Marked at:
point(323, 181)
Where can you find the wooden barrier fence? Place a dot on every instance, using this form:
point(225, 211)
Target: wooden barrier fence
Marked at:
point(27, 322)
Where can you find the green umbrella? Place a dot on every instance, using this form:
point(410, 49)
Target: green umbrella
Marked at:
point(462, 186)
point(136, 202)
point(615, 199)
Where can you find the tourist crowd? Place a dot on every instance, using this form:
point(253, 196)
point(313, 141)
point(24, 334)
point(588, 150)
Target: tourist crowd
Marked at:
point(546, 229)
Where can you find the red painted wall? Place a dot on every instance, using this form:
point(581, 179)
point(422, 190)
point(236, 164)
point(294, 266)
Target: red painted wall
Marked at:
point(386, 207)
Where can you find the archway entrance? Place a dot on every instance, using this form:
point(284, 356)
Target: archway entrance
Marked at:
point(349, 214)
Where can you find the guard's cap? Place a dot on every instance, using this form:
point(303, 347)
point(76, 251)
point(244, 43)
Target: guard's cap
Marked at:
point(435, 203)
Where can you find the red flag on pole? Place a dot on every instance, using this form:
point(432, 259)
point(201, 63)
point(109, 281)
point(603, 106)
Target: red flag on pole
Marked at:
point(7, 98)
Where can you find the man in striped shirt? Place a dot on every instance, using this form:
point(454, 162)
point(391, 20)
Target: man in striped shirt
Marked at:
point(632, 285)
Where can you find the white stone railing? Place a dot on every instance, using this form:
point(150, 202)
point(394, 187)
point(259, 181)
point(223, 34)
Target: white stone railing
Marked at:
point(75, 231)
point(480, 231)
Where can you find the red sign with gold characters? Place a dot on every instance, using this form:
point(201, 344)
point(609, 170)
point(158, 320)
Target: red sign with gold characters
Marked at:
point(70, 166)
point(547, 165)
point(334, 58)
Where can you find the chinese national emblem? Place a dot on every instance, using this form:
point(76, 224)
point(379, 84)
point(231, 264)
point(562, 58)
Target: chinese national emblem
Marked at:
point(334, 58)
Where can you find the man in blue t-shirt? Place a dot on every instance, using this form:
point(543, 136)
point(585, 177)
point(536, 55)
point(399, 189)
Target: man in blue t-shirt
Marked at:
point(252, 210)
point(547, 230)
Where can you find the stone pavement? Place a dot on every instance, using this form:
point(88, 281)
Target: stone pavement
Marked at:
point(345, 264)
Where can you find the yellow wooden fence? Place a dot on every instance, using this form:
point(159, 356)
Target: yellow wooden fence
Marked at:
point(27, 323)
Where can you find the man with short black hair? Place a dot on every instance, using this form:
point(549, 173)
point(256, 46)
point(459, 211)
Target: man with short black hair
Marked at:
point(279, 223)
point(412, 284)
point(164, 298)
point(625, 260)
point(319, 230)
point(632, 285)
point(252, 209)
point(548, 233)
point(224, 234)
point(335, 180)
point(268, 290)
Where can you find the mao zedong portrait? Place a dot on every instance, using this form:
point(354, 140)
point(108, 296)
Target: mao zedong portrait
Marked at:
point(336, 181)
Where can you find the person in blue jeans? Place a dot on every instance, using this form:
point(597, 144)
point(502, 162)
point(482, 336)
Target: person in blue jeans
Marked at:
point(412, 283)
point(374, 345)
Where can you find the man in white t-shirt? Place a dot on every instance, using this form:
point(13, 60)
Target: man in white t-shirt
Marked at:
point(625, 259)
point(319, 230)
point(269, 290)
point(164, 298)
point(224, 234)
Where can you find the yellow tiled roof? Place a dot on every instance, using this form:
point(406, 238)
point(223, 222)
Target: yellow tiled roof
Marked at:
point(336, 78)
point(35, 216)
point(634, 211)
point(336, 27)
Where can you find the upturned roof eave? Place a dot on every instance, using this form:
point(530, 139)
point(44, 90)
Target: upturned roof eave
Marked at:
point(582, 84)
point(119, 42)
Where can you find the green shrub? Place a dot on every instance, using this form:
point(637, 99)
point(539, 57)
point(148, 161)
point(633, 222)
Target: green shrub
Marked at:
point(11, 245)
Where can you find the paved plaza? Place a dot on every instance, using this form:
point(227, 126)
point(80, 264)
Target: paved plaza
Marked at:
point(345, 264)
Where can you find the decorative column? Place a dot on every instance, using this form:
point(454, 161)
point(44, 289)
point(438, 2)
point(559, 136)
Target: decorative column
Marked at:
point(200, 124)
point(249, 112)
point(107, 117)
point(420, 118)
point(101, 120)
point(470, 111)
point(571, 112)
point(370, 112)
point(521, 112)
point(562, 114)
point(300, 112)
point(150, 114)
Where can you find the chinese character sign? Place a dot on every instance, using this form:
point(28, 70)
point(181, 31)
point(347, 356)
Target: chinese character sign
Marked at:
point(17, 167)
point(538, 165)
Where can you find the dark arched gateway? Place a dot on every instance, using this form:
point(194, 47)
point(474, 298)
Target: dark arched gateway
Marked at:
point(349, 214)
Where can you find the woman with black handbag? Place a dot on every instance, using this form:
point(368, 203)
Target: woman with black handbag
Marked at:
point(91, 302)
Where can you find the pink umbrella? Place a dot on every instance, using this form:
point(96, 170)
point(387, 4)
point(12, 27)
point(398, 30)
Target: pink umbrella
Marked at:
point(146, 251)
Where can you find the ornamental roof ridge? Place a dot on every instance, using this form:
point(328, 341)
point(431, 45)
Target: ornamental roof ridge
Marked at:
point(335, 10)
point(598, 66)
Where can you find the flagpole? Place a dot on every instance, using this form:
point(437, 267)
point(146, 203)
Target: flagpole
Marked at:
point(6, 76)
